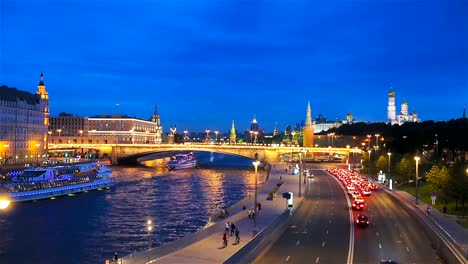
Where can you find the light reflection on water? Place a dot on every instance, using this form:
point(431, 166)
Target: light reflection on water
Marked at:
point(89, 227)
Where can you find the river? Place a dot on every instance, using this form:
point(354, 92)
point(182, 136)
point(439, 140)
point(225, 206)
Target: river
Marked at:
point(90, 227)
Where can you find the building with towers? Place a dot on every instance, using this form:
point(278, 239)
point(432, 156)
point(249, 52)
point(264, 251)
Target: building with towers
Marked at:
point(308, 130)
point(24, 120)
point(404, 116)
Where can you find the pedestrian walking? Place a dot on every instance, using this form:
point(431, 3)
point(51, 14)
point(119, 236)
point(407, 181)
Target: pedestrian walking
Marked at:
point(250, 213)
point(225, 241)
point(233, 228)
point(237, 236)
point(226, 230)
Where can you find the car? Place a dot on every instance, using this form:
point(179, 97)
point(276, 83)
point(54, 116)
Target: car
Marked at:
point(358, 205)
point(362, 220)
point(366, 192)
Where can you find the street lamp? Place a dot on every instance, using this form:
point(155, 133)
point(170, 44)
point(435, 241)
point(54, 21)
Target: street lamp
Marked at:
point(377, 141)
point(369, 139)
point(305, 155)
point(207, 134)
point(255, 163)
point(216, 136)
point(185, 134)
point(369, 151)
point(59, 131)
point(389, 155)
point(416, 158)
point(81, 133)
point(292, 138)
point(300, 171)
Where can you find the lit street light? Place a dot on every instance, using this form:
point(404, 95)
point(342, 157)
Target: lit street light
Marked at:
point(416, 158)
point(255, 163)
point(389, 155)
point(377, 141)
point(4, 202)
point(216, 138)
point(207, 135)
point(185, 134)
point(59, 131)
point(369, 139)
point(37, 153)
point(300, 171)
point(369, 151)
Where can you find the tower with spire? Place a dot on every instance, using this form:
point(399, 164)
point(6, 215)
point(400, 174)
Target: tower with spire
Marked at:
point(275, 131)
point(155, 118)
point(308, 130)
point(391, 107)
point(41, 91)
point(232, 137)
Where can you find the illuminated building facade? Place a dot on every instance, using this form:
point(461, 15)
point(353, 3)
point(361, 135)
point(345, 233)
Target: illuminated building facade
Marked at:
point(24, 119)
point(404, 115)
point(308, 130)
point(103, 129)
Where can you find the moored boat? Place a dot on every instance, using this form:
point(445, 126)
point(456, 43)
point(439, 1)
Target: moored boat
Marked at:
point(183, 161)
point(43, 183)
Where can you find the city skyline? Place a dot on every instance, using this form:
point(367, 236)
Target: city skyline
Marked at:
point(205, 64)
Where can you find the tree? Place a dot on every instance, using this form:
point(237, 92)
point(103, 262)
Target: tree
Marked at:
point(382, 163)
point(458, 186)
point(405, 168)
point(438, 179)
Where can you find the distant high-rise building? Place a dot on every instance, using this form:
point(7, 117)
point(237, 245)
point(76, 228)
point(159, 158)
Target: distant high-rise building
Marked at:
point(233, 137)
point(308, 130)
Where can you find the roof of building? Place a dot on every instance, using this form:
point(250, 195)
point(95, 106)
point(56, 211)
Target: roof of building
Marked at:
point(12, 94)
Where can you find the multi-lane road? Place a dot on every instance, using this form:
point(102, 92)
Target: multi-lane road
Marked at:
point(323, 230)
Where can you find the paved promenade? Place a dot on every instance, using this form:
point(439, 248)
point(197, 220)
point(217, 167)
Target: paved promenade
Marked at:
point(210, 250)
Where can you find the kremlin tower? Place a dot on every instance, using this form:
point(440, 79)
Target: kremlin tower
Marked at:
point(308, 130)
point(232, 138)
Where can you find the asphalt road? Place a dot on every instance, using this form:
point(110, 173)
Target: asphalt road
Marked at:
point(392, 234)
point(320, 232)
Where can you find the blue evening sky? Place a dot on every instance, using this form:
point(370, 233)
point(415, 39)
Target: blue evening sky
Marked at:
point(205, 63)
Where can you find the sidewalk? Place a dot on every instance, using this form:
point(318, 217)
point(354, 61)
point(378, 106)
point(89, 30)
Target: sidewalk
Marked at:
point(446, 222)
point(210, 250)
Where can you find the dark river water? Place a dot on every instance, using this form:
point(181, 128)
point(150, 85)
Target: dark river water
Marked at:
point(90, 227)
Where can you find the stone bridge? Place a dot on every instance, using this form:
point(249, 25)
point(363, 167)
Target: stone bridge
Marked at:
point(132, 153)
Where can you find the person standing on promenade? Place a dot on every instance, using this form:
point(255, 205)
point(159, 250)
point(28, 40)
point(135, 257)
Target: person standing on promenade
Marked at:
point(233, 228)
point(225, 241)
point(250, 213)
point(226, 229)
point(237, 236)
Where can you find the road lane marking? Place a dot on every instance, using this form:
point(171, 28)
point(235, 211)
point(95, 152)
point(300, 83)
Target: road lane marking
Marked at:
point(380, 246)
point(297, 244)
point(293, 226)
point(407, 249)
point(323, 244)
point(316, 261)
point(288, 258)
point(326, 232)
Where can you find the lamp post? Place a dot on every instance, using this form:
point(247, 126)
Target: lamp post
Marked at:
point(216, 136)
point(369, 151)
point(292, 138)
point(300, 171)
point(305, 155)
point(207, 135)
point(255, 163)
point(185, 134)
point(369, 139)
point(416, 158)
point(389, 155)
point(59, 131)
point(377, 141)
